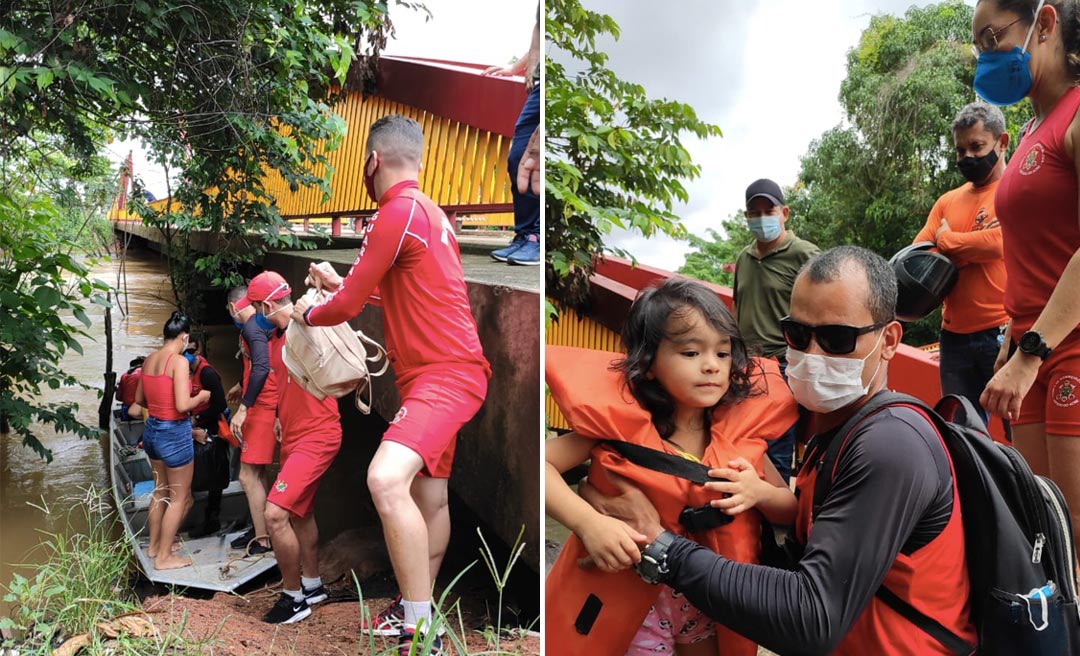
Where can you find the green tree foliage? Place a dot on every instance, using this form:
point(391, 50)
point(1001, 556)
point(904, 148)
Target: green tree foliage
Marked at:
point(222, 92)
point(41, 283)
point(713, 257)
point(614, 158)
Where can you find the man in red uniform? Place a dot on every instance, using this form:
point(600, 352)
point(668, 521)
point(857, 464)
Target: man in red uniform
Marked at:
point(310, 432)
point(253, 422)
point(411, 254)
point(129, 382)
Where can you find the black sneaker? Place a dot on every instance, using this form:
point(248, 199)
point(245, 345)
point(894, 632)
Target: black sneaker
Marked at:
point(256, 548)
point(390, 622)
point(314, 595)
point(242, 540)
point(287, 610)
point(410, 643)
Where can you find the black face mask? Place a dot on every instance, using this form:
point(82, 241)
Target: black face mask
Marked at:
point(977, 169)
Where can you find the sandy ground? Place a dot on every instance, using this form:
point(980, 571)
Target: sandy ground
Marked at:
point(230, 625)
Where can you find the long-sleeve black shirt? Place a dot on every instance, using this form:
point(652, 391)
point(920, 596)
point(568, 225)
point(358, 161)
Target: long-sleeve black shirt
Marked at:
point(209, 379)
point(258, 345)
point(892, 493)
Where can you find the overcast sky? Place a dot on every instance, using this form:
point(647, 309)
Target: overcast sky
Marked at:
point(767, 73)
point(471, 31)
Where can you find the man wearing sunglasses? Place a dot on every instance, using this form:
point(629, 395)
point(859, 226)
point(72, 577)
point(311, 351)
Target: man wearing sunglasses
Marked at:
point(887, 517)
point(764, 274)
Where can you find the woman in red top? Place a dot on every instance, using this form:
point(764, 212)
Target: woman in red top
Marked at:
point(165, 391)
point(1030, 48)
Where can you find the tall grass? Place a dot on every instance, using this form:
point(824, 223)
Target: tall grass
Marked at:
point(81, 580)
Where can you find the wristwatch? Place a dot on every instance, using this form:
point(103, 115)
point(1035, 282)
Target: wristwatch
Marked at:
point(653, 567)
point(1032, 343)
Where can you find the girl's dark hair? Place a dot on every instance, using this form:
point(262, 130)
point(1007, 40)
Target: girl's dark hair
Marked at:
point(178, 323)
point(646, 325)
point(1069, 19)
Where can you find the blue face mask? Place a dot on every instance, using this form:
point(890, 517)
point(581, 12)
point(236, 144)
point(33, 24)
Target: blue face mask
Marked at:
point(1004, 78)
point(765, 228)
point(190, 357)
point(237, 323)
point(263, 322)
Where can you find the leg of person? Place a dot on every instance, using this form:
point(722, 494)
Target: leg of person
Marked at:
point(527, 205)
point(1030, 441)
point(253, 481)
point(159, 501)
point(179, 481)
point(781, 451)
point(1064, 454)
point(431, 496)
point(286, 545)
point(291, 605)
point(307, 533)
point(390, 477)
point(256, 453)
point(654, 636)
point(960, 367)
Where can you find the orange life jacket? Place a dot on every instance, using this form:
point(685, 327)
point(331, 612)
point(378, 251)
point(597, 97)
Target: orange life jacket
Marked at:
point(933, 579)
point(596, 404)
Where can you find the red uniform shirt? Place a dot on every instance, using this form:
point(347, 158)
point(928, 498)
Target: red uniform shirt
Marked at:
point(410, 253)
point(1037, 206)
point(298, 411)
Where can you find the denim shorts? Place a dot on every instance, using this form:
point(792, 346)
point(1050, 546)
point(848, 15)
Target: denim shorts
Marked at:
point(169, 441)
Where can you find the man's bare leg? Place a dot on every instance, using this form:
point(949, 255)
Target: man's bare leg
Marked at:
point(390, 478)
point(432, 497)
point(286, 545)
point(253, 481)
point(307, 535)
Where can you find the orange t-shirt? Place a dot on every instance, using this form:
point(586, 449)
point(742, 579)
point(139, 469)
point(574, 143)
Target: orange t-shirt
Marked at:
point(978, 300)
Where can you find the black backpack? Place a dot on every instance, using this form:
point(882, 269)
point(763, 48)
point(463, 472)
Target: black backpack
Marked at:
point(1017, 531)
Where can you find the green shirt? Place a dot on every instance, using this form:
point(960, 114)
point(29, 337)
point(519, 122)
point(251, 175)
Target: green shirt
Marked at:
point(763, 291)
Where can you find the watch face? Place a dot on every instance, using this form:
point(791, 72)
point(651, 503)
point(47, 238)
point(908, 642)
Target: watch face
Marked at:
point(1030, 342)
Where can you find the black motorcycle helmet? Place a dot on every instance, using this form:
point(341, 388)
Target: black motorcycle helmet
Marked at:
point(923, 280)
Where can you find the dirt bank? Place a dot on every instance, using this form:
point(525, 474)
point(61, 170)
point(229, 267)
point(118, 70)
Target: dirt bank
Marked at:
point(230, 625)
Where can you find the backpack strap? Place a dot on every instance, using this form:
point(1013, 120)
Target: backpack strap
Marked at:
point(840, 439)
point(879, 401)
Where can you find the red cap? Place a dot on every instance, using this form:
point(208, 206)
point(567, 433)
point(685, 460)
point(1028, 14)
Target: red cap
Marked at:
point(242, 303)
point(267, 286)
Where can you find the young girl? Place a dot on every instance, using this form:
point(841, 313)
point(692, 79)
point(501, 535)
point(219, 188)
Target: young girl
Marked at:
point(688, 388)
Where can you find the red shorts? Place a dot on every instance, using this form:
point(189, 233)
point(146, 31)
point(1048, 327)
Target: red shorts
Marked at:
point(304, 459)
point(435, 404)
point(1054, 398)
point(258, 436)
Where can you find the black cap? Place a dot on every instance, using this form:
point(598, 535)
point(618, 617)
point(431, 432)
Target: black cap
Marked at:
point(767, 188)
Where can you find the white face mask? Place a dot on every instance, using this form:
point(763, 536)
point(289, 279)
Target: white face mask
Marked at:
point(824, 383)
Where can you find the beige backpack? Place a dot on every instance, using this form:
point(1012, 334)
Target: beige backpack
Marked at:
point(332, 360)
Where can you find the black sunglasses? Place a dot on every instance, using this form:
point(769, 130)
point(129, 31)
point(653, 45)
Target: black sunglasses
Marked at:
point(834, 338)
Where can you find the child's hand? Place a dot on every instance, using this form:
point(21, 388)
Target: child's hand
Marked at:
point(743, 485)
point(611, 543)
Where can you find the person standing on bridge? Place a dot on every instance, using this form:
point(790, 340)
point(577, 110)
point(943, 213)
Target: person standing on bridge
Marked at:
point(411, 255)
point(525, 248)
point(764, 275)
point(964, 227)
